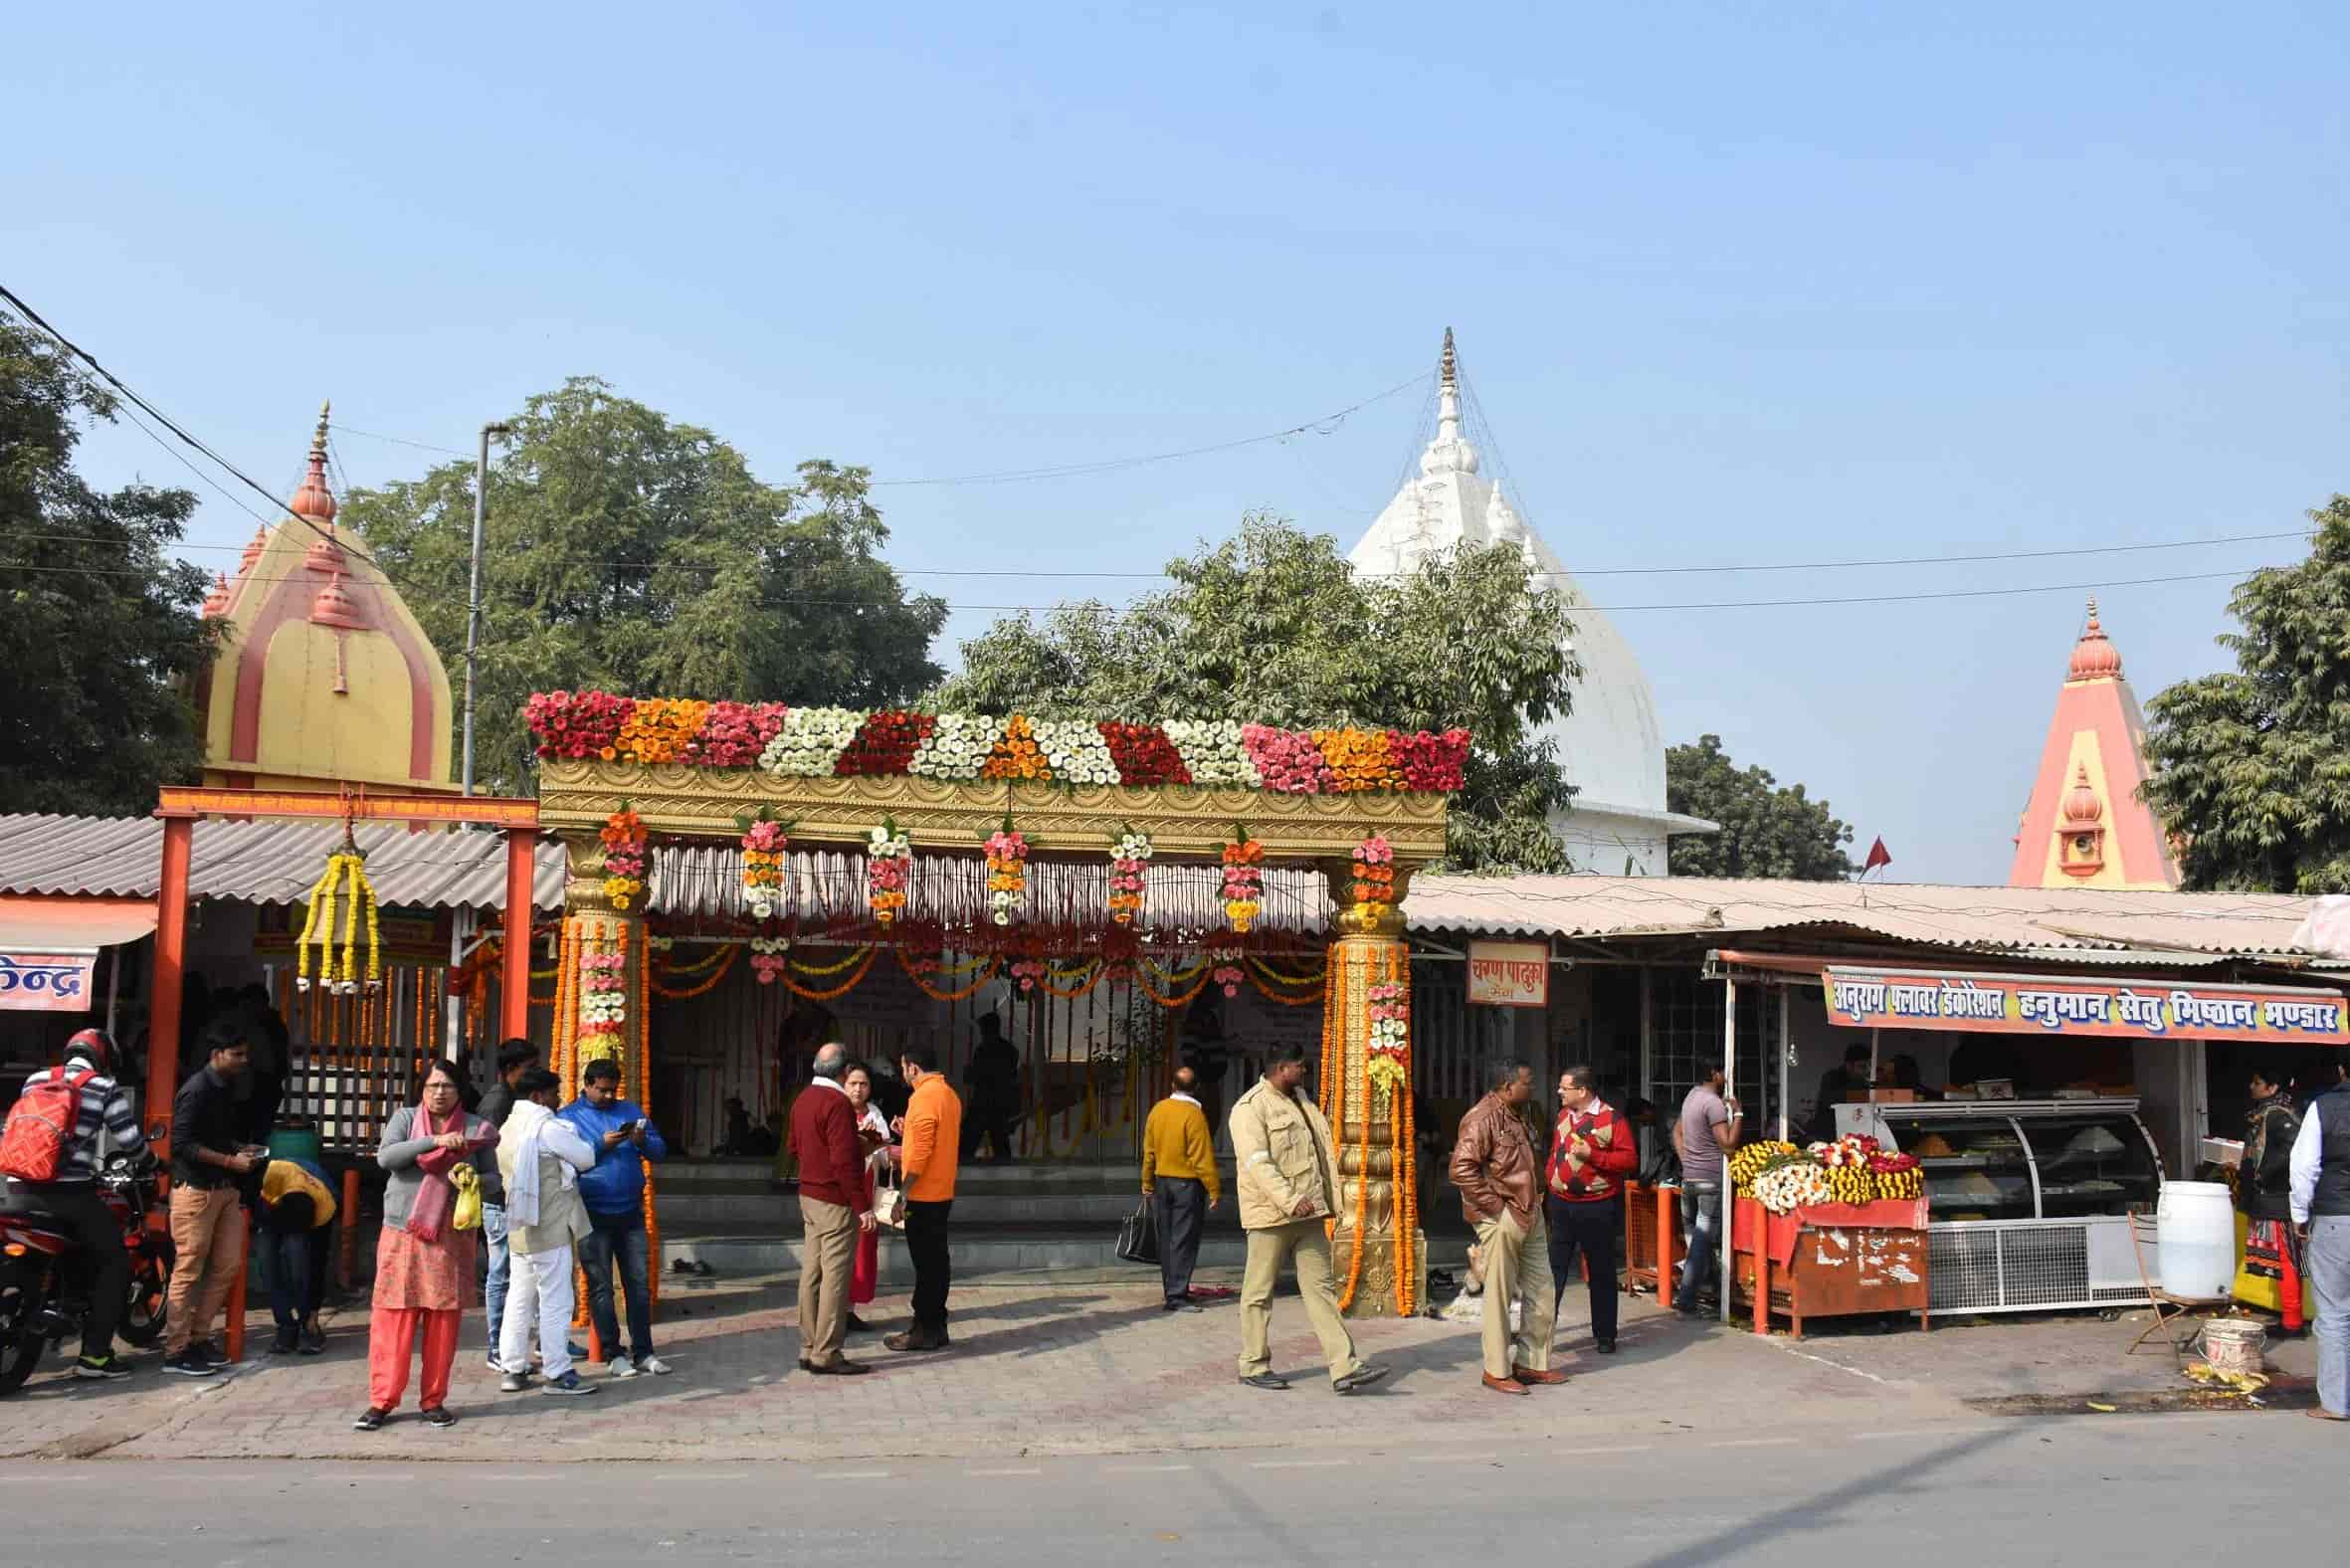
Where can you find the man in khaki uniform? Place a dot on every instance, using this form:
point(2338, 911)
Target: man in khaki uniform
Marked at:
point(1501, 1182)
point(1288, 1183)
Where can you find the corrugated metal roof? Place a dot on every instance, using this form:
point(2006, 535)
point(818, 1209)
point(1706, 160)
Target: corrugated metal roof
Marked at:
point(264, 861)
point(2063, 920)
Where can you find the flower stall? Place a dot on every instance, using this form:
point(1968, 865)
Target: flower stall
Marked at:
point(1024, 849)
point(1828, 1231)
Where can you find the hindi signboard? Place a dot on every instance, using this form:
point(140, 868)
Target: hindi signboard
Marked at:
point(2096, 1009)
point(45, 982)
point(1509, 974)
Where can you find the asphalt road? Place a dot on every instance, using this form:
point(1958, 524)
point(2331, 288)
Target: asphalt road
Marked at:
point(2157, 1490)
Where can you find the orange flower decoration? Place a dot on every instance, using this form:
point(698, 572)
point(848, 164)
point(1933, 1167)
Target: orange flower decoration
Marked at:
point(660, 728)
point(1359, 759)
point(1016, 754)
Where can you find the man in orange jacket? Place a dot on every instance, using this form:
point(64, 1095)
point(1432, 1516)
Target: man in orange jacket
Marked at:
point(933, 1135)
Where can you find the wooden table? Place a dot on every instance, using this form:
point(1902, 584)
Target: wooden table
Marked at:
point(1843, 1260)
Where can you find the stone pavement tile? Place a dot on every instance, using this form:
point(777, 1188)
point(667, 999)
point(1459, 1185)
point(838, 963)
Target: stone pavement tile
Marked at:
point(1082, 1369)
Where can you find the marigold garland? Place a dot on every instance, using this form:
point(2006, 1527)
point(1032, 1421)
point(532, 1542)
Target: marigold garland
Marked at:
point(1016, 754)
point(812, 994)
point(888, 868)
point(718, 968)
point(1373, 884)
point(987, 975)
point(1129, 865)
point(821, 970)
point(1007, 871)
point(764, 842)
point(624, 857)
point(1244, 881)
point(346, 869)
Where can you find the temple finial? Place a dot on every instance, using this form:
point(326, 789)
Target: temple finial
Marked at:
point(1446, 366)
point(318, 441)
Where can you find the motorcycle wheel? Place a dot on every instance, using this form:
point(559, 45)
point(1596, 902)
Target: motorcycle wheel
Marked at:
point(20, 1345)
point(143, 1314)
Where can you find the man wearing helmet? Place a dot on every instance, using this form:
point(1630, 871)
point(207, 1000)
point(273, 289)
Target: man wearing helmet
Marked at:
point(73, 1196)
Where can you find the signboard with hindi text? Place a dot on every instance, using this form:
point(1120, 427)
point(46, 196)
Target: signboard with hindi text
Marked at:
point(1509, 974)
point(45, 982)
point(2091, 1009)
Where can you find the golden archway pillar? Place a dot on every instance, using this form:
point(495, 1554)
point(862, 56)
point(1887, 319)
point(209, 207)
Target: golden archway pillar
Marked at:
point(1376, 1243)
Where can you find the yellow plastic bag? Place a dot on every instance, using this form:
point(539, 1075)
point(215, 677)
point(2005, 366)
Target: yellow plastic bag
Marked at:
point(467, 1213)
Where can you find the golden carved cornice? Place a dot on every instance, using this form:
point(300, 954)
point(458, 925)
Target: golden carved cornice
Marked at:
point(1184, 822)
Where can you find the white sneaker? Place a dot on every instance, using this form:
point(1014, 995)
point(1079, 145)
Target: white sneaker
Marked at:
point(620, 1369)
point(653, 1366)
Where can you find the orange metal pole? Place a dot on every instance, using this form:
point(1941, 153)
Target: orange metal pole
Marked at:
point(171, 942)
point(521, 847)
point(350, 1228)
point(1667, 1233)
point(1761, 1227)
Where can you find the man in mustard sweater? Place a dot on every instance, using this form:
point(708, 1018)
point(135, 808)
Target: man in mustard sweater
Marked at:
point(1178, 1176)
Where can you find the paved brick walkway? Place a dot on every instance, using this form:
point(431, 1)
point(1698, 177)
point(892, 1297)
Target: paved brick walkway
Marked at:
point(1068, 1369)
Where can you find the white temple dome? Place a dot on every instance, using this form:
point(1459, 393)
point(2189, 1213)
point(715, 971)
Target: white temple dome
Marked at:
point(1609, 744)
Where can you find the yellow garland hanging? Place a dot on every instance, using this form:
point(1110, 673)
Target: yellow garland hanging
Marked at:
point(1168, 976)
point(347, 872)
point(1278, 978)
point(700, 966)
point(812, 994)
point(1143, 983)
point(987, 975)
point(722, 963)
point(1093, 979)
point(819, 970)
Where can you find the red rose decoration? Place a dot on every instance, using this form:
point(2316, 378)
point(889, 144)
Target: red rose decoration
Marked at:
point(1144, 755)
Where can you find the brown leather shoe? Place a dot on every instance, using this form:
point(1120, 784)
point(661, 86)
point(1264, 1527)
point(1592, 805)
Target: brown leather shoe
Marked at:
point(1505, 1385)
point(1528, 1375)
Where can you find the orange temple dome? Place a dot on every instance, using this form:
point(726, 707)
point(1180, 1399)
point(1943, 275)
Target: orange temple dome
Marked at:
point(2094, 657)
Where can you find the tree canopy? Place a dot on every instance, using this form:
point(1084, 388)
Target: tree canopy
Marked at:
point(626, 551)
point(1767, 829)
point(2250, 768)
point(1273, 625)
point(104, 630)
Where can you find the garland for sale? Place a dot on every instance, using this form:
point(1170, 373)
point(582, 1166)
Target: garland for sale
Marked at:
point(346, 869)
point(1007, 871)
point(1129, 862)
point(1244, 879)
point(624, 857)
point(888, 864)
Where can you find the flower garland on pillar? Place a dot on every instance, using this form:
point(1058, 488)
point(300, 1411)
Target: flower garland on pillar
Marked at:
point(1129, 862)
point(624, 857)
point(1391, 1043)
point(1007, 871)
point(1373, 884)
point(889, 867)
point(645, 1103)
point(603, 1001)
point(765, 839)
point(1244, 879)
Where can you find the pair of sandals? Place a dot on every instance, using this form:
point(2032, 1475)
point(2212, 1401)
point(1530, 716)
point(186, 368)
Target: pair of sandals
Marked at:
point(372, 1418)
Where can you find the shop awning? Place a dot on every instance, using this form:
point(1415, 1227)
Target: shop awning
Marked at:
point(2133, 1009)
point(71, 925)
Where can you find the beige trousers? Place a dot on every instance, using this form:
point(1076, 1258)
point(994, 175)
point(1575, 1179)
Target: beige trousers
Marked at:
point(1303, 1241)
point(1517, 1268)
point(208, 1253)
point(828, 1251)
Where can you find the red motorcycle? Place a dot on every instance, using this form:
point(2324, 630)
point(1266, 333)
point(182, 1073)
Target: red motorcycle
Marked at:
point(38, 1308)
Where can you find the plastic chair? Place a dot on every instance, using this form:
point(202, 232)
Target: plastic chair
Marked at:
point(2169, 1310)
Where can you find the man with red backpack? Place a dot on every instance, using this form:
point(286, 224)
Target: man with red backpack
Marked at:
point(48, 1151)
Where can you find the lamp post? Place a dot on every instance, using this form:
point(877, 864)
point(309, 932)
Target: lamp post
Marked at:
point(472, 619)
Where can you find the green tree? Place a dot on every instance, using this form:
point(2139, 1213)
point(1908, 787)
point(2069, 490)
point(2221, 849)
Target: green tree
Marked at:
point(1273, 625)
point(102, 634)
point(631, 553)
point(2250, 768)
point(1767, 829)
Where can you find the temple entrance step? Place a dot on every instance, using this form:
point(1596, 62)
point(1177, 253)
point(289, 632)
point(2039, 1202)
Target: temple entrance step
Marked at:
point(985, 1250)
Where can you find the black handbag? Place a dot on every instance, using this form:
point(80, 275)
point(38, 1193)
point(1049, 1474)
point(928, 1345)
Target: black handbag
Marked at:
point(1138, 1235)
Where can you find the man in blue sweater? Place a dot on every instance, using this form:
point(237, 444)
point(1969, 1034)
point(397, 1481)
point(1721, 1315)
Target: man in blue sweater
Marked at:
point(614, 1192)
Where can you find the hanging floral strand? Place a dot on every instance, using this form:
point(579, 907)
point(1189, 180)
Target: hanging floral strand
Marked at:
point(1129, 862)
point(1007, 872)
point(765, 839)
point(888, 866)
point(1244, 879)
point(624, 857)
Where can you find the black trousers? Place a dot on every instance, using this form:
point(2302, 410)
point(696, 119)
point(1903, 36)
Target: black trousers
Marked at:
point(1180, 1205)
point(1589, 1229)
point(993, 1122)
point(99, 1258)
point(926, 1244)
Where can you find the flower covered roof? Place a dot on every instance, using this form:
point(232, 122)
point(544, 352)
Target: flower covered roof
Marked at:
point(836, 743)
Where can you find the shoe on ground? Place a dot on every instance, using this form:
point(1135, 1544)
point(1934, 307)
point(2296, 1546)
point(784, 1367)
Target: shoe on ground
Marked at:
point(914, 1341)
point(841, 1368)
point(1361, 1377)
point(857, 1325)
point(1265, 1380)
point(371, 1419)
point(620, 1369)
point(1505, 1385)
point(575, 1352)
point(1534, 1379)
point(285, 1341)
point(191, 1363)
point(1185, 1307)
point(570, 1383)
point(314, 1340)
point(101, 1370)
point(654, 1366)
point(1605, 1347)
point(440, 1416)
point(211, 1351)
point(513, 1383)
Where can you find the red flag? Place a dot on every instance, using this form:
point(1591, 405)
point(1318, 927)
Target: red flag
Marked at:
point(1876, 856)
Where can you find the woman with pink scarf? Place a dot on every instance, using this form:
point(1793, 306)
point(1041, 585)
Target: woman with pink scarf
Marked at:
point(424, 1265)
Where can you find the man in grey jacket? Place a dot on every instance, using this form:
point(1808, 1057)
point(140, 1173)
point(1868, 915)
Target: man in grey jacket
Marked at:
point(539, 1158)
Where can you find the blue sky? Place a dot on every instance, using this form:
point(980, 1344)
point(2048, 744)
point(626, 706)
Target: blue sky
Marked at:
point(1734, 284)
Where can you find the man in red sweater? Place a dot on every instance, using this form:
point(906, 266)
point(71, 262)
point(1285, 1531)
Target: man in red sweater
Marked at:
point(1591, 1151)
point(832, 1211)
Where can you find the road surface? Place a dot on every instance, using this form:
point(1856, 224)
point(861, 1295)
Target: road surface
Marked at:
point(2244, 1487)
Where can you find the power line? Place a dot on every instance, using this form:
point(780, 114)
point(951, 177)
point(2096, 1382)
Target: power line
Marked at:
point(789, 601)
point(166, 421)
point(398, 440)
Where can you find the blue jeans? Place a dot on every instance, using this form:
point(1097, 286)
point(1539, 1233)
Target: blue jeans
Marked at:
point(1702, 1202)
point(2328, 1261)
point(500, 1265)
point(293, 1270)
point(619, 1236)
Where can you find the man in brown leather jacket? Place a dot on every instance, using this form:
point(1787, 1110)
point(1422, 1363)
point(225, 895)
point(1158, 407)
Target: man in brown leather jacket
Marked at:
point(1501, 1182)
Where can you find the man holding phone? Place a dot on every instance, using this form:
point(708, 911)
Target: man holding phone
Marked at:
point(209, 1155)
point(614, 1191)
